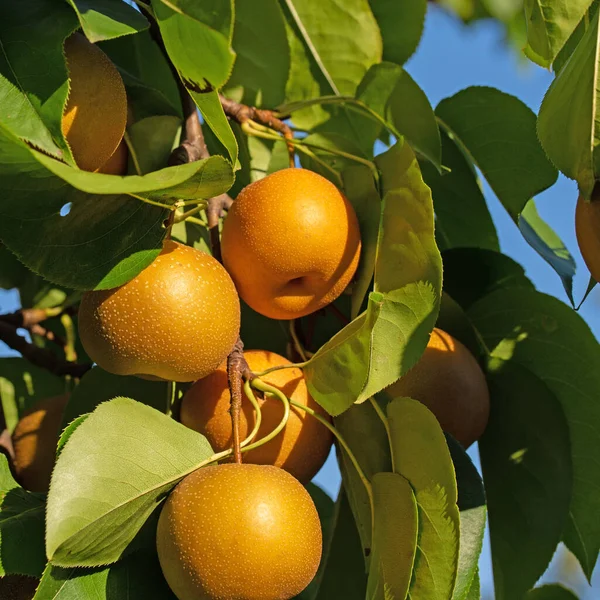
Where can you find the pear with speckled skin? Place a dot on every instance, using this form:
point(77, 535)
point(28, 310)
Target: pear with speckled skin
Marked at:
point(177, 320)
point(291, 243)
point(239, 532)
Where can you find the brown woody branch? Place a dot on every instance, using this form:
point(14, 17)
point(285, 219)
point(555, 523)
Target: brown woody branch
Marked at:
point(31, 319)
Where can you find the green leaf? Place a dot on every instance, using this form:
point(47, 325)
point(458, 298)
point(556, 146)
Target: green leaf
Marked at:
point(13, 273)
point(109, 235)
point(98, 386)
point(361, 190)
point(324, 59)
point(394, 537)
point(366, 436)
point(136, 576)
point(33, 75)
point(551, 592)
point(149, 82)
point(553, 342)
point(343, 575)
point(544, 240)
point(470, 274)
point(406, 231)
point(107, 19)
point(186, 26)
point(498, 132)
point(212, 112)
point(475, 589)
point(262, 65)
point(526, 462)
point(21, 527)
point(380, 345)
point(549, 25)
point(151, 141)
point(472, 506)
point(567, 120)
point(462, 217)
point(116, 468)
point(22, 385)
point(421, 455)
point(401, 25)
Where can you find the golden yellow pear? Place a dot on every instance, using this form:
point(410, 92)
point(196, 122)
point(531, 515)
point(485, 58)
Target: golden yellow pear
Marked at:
point(176, 320)
point(95, 116)
point(291, 243)
point(450, 383)
point(34, 440)
point(234, 532)
point(587, 228)
point(301, 448)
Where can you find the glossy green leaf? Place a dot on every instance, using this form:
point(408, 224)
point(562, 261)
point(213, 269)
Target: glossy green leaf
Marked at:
point(544, 240)
point(109, 235)
point(472, 506)
point(551, 592)
point(107, 19)
point(33, 76)
point(98, 386)
point(401, 25)
point(406, 231)
point(567, 119)
point(262, 64)
point(550, 23)
point(365, 434)
point(344, 573)
point(526, 462)
point(470, 274)
point(114, 471)
point(187, 25)
point(421, 455)
point(136, 576)
point(149, 82)
point(553, 342)
point(498, 133)
point(22, 385)
point(361, 190)
point(394, 537)
point(151, 142)
point(21, 527)
point(462, 217)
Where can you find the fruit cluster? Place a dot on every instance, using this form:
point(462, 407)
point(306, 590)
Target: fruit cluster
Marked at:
point(291, 245)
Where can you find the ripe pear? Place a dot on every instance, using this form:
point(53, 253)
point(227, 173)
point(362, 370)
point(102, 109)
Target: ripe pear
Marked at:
point(117, 163)
point(177, 320)
point(587, 228)
point(95, 116)
point(450, 383)
point(34, 441)
point(291, 243)
point(233, 531)
point(301, 448)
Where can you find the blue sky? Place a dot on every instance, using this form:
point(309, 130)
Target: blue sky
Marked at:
point(450, 58)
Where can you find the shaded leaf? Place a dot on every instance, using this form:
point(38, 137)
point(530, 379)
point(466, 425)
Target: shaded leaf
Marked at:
point(151, 141)
point(544, 240)
point(394, 537)
point(107, 19)
point(21, 527)
point(551, 592)
point(553, 342)
point(422, 456)
point(550, 23)
point(526, 462)
point(262, 64)
point(567, 120)
point(116, 468)
point(462, 217)
point(33, 76)
point(498, 132)
point(13, 273)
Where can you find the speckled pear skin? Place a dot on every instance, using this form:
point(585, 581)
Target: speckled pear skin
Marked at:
point(176, 320)
point(291, 243)
point(587, 228)
point(450, 383)
point(301, 448)
point(239, 532)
